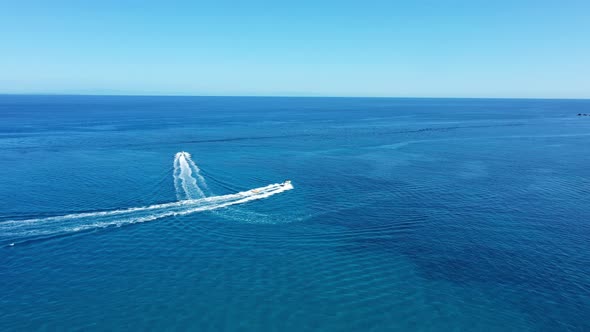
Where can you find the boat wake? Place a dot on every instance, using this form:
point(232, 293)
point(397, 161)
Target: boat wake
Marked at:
point(187, 186)
point(191, 190)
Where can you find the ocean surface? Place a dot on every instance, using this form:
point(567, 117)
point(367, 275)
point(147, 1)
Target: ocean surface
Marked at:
point(171, 213)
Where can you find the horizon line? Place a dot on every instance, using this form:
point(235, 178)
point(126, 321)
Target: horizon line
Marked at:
point(272, 96)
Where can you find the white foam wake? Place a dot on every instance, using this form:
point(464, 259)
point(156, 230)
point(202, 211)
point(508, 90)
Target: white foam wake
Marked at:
point(51, 226)
point(188, 181)
point(191, 191)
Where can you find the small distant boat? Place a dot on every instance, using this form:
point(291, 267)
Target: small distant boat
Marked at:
point(287, 182)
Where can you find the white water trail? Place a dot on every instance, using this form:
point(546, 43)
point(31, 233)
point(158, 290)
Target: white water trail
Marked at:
point(187, 186)
point(201, 183)
point(15, 230)
point(190, 191)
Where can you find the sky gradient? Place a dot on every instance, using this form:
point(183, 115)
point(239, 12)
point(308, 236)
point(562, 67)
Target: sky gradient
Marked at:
point(528, 49)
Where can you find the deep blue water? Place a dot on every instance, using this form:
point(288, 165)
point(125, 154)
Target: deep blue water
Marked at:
point(406, 214)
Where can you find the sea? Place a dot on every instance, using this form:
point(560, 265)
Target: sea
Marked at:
point(139, 213)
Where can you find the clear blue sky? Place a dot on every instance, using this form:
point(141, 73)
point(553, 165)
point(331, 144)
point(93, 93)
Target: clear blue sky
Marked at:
point(319, 48)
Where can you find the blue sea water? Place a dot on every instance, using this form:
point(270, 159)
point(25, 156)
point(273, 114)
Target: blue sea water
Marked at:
point(406, 214)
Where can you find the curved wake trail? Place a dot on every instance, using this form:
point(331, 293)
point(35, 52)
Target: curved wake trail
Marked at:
point(190, 187)
point(13, 231)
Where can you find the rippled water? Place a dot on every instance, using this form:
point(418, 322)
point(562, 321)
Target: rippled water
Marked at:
point(406, 214)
